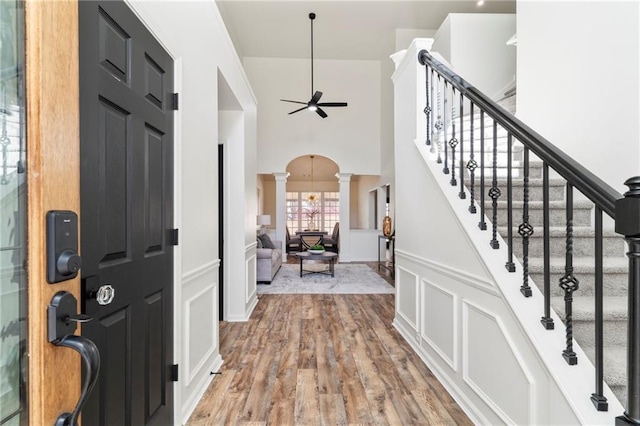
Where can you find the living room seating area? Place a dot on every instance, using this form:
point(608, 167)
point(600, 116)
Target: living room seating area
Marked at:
point(269, 258)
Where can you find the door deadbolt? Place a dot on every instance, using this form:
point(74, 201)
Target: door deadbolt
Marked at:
point(63, 260)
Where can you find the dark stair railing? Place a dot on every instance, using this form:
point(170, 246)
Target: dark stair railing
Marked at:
point(625, 211)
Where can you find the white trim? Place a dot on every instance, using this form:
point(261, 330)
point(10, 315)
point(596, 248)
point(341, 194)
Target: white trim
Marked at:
point(200, 270)
point(236, 58)
point(398, 296)
point(456, 393)
point(187, 328)
point(476, 281)
point(251, 260)
point(190, 405)
point(453, 363)
point(531, 405)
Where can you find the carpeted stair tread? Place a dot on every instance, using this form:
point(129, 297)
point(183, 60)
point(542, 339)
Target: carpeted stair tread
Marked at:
point(614, 307)
point(617, 265)
point(561, 231)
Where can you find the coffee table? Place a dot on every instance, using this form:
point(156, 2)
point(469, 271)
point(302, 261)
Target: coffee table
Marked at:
point(327, 256)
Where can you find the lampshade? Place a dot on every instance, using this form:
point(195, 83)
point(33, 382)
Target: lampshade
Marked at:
point(264, 219)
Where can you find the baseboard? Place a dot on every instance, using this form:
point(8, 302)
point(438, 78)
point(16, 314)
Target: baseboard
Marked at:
point(189, 406)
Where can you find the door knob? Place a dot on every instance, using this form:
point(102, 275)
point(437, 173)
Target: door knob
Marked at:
point(104, 295)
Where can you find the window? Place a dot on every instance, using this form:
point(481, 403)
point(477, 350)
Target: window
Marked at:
point(322, 214)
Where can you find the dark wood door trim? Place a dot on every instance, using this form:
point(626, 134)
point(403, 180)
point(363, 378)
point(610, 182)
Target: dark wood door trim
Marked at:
point(53, 183)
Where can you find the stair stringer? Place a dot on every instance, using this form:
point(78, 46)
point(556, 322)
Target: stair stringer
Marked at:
point(483, 369)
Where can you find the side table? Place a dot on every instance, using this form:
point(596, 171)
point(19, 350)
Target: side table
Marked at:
point(390, 242)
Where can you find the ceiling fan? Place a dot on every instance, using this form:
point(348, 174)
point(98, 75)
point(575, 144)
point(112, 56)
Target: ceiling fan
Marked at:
point(313, 104)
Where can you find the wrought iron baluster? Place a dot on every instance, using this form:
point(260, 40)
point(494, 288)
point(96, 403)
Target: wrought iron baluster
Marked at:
point(511, 267)
point(546, 320)
point(427, 108)
point(472, 165)
point(445, 170)
point(598, 399)
point(439, 124)
point(525, 230)
point(453, 142)
point(482, 224)
point(569, 283)
point(461, 194)
point(494, 192)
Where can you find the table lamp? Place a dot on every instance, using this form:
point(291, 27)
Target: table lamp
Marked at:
point(263, 221)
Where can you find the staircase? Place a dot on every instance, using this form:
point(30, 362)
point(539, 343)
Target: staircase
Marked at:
point(615, 262)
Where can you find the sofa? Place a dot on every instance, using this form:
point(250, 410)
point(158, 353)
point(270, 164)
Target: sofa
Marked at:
point(269, 261)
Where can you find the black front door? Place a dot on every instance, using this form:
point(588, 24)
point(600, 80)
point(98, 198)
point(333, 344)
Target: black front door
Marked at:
point(126, 138)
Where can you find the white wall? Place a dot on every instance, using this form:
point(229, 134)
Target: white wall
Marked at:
point(579, 81)
point(365, 184)
point(193, 33)
point(350, 136)
point(457, 305)
point(474, 44)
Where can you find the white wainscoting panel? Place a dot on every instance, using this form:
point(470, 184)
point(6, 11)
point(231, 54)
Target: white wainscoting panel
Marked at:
point(200, 339)
point(439, 324)
point(251, 284)
point(492, 367)
point(407, 297)
point(198, 312)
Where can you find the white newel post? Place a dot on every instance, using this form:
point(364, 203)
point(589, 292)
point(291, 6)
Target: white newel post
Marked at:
point(345, 214)
point(281, 205)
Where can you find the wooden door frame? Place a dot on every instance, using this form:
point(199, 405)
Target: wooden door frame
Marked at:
point(53, 183)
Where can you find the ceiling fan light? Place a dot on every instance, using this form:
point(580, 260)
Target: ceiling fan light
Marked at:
point(312, 108)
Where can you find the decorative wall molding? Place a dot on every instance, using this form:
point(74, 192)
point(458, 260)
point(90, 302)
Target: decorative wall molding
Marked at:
point(476, 281)
point(252, 246)
point(412, 322)
point(454, 390)
point(251, 287)
point(483, 393)
point(455, 324)
point(199, 271)
point(190, 372)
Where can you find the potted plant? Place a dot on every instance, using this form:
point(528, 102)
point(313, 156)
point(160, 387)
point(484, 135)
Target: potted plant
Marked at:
point(316, 249)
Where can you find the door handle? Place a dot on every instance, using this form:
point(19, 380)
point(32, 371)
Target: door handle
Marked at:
point(63, 321)
point(104, 295)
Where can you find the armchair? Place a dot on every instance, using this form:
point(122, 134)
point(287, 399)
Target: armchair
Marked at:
point(332, 243)
point(292, 244)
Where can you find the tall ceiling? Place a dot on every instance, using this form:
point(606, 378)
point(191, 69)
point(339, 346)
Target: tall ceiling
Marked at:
point(345, 29)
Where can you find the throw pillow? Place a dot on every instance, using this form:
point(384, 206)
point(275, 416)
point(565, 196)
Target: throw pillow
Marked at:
point(266, 241)
point(259, 243)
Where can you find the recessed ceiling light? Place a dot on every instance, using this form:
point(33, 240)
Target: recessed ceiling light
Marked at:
point(480, 2)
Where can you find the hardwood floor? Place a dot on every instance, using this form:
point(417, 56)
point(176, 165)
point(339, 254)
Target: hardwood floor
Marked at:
point(322, 359)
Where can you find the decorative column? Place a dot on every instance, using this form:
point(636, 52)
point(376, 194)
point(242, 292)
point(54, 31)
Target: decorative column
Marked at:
point(345, 214)
point(281, 205)
point(628, 224)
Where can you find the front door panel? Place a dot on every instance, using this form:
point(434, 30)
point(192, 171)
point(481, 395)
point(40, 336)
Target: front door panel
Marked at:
point(126, 82)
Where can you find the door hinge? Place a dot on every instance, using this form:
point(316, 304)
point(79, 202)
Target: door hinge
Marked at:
point(174, 101)
point(174, 373)
point(175, 235)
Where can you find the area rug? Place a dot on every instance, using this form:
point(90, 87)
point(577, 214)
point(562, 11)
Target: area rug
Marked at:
point(349, 279)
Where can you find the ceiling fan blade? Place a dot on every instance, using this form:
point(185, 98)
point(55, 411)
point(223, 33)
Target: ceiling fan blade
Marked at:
point(321, 113)
point(333, 104)
point(316, 97)
point(298, 110)
point(295, 102)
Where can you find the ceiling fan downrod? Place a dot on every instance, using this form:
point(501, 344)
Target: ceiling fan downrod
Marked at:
point(313, 104)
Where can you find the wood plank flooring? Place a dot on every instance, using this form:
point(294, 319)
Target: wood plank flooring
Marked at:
point(319, 360)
